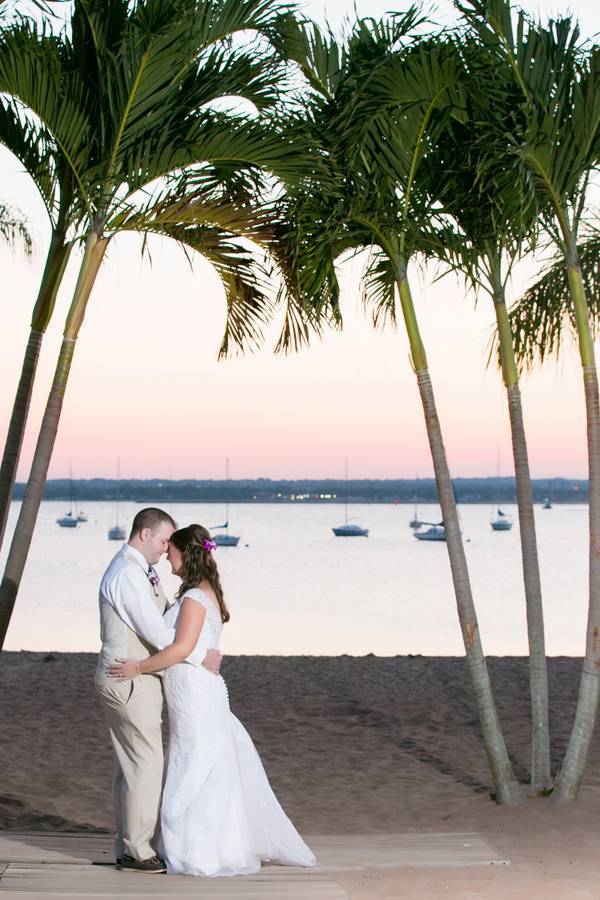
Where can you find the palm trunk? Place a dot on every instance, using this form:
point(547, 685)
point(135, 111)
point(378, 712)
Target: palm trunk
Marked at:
point(574, 763)
point(21, 542)
point(507, 788)
point(538, 674)
point(56, 262)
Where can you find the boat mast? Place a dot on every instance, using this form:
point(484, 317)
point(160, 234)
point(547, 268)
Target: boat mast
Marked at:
point(118, 486)
point(346, 491)
point(226, 495)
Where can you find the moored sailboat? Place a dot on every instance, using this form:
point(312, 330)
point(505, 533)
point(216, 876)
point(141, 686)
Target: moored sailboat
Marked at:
point(117, 532)
point(348, 529)
point(224, 539)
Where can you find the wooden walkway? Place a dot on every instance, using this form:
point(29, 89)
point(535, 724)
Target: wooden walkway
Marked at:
point(61, 866)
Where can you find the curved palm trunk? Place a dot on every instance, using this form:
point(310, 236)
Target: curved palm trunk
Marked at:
point(574, 763)
point(507, 788)
point(538, 674)
point(56, 262)
point(19, 548)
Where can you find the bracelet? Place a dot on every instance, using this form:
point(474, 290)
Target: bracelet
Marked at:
point(137, 668)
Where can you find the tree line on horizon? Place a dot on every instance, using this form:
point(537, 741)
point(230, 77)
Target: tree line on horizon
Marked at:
point(472, 148)
point(500, 490)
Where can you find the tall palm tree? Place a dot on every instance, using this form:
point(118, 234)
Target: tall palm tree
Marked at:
point(375, 107)
point(148, 151)
point(556, 141)
point(491, 219)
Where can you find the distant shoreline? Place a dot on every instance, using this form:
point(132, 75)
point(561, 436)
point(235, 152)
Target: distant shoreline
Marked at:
point(306, 491)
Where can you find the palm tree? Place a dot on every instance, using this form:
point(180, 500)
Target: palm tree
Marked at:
point(374, 108)
point(148, 151)
point(491, 217)
point(556, 142)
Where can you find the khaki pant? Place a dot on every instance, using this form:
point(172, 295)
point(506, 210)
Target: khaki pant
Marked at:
point(134, 710)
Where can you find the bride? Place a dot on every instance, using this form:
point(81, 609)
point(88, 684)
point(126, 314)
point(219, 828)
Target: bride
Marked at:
point(219, 815)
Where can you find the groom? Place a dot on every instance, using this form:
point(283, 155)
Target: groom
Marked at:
point(132, 602)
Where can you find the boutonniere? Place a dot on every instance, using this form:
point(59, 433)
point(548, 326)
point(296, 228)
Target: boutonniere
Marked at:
point(154, 581)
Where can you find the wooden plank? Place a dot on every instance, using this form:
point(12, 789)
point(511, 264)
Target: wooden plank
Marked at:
point(385, 851)
point(70, 880)
point(334, 852)
point(52, 846)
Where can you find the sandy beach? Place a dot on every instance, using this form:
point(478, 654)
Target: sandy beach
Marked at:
point(351, 746)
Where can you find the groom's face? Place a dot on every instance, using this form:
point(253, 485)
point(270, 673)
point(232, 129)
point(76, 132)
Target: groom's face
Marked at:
point(156, 542)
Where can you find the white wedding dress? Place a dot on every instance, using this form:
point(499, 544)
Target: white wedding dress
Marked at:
point(219, 815)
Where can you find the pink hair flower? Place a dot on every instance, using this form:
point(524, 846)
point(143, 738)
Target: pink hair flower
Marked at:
point(209, 545)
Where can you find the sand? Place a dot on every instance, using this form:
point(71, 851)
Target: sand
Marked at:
point(351, 746)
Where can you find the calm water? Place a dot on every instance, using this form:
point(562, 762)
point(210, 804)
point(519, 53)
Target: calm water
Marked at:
point(294, 588)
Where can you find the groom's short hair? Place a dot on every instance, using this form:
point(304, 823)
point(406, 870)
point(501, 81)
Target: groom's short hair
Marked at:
point(151, 518)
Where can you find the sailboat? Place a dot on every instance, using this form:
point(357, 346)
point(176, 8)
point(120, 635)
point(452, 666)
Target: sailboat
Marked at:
point(499, 521)
point(81, 516)
point(117, 532)
point(69, 520)
point(502, 521)
point(415, 522)
point(226, 539)
point(435, 532)
point(348, 529)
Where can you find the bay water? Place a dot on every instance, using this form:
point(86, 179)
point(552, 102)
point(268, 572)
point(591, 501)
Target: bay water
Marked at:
point(295, 588)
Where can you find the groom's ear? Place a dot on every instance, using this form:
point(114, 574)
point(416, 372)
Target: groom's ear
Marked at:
point(145, 533)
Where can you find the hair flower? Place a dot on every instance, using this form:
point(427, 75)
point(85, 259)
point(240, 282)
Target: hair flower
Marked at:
point(209, 545)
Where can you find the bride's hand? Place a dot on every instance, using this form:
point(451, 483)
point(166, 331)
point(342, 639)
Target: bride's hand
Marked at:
point(212, 661)
point(124, 669)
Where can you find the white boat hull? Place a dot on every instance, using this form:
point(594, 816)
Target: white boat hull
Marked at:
point(435, 533)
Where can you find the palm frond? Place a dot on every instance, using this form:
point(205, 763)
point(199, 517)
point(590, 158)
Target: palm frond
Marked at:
point(544, 317)
point(14, 230)
point(378, 284)
point(32, 72)
point(32, 145)
point(242, 274)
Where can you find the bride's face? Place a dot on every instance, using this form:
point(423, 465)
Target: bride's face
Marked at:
point(175, 557)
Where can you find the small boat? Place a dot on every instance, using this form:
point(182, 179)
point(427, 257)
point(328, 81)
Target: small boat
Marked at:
point(546, 504)
point(433, 533)
point(69, 520)
point(348, 529)
point(117, 532)
point(226, 539)
point(501, 522)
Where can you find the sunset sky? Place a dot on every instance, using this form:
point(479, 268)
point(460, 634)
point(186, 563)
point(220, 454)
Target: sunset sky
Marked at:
point(145, 384)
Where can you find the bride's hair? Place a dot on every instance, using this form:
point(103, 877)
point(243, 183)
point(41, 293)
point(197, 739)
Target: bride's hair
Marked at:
point(198, 563)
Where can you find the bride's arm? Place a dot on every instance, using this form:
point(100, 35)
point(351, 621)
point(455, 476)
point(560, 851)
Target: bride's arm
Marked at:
point(189, 625)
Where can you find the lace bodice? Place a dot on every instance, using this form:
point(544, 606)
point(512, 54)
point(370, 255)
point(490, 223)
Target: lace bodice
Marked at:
point(212, 627)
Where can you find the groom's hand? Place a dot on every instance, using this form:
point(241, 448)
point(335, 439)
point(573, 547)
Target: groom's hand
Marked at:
point(212, 661)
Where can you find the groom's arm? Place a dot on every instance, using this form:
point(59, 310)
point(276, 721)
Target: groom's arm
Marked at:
point(126, 596)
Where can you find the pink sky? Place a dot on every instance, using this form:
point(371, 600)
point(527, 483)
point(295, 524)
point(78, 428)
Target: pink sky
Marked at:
point(145, 384)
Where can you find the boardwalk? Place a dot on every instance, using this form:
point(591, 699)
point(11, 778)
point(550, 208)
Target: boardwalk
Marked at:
point(53, 866)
